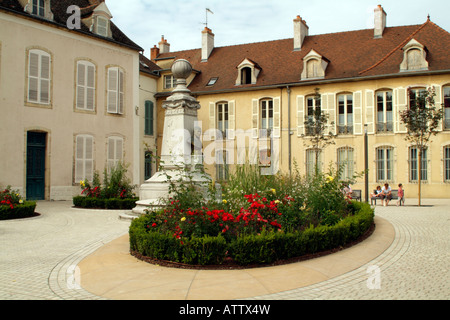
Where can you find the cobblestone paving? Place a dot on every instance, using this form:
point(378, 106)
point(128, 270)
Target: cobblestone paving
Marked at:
point(415, 267)
point(38, 256)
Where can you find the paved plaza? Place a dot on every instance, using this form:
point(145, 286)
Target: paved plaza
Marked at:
point(41, 257)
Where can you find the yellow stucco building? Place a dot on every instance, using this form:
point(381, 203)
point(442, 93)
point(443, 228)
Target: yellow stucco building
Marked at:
point(256, 97)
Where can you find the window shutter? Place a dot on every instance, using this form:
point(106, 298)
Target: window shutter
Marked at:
point(81, 78)
point(370, 111)
point(255, 118)
point(112, 90)
point(119, 150)
point(212, 121)
point(277, 117)
point(45, 79)
point(111, 153)
point(121, 92)
point(90, 94)
point(332, 112)
point(89, 159)
point(400, 104)
point(300, 115)
point(357, 113)
point(33, 76)
point(149, 109)
point(231, 134)
point(79, 159)
point(438, 104)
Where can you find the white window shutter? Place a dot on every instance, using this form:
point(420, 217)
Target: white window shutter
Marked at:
point(400, 105)
point(357, 113)
point(255, 118)
point(90, 90)
point(277, 117)
point(331, 112)
point(438, 104)
point(300, 115)
point(79, 159)
point(212, 121)
point(89, 158)
point(81, 78)
point(370, 111)
point(45, 79)
point(111, 153)
point(113, 78)
point(231, 120)
point(119, 150)
point(121, 90)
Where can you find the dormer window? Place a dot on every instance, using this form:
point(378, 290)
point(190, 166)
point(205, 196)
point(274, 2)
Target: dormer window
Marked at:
point(415, 57)
point(248, 72)
point(40, 8)
point(101, 23)
point(314, 66)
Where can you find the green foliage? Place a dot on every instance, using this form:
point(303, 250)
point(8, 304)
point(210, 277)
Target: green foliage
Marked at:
point(24, 210)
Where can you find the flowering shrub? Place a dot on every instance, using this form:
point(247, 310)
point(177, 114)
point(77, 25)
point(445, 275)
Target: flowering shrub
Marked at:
point(10, 198)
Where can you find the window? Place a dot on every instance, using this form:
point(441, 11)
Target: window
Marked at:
point(345, 162)
point(84, 158)
point(447, 163)
point(102, 26)
point(314, 106)
point(385, 164)
point(417, 97)
point(148, 165)
point(169, 82)
point(222, 118)
point(222, 167)
point(384, 112)
point(246, 75)
point(313, 161)
point(39, 77)
point(212, 82)
point(266, 117)
point(149, 118)
point(414, 57)
point(446, 108)
point(248, 72)
point(314, 66)
point(38, 7)
point(345, 122)
point(115, 90)
point(414, 165)
point(85, 86)
point(115, 152)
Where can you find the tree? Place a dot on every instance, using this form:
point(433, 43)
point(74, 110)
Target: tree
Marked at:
point(422, 120)
point(318, 134)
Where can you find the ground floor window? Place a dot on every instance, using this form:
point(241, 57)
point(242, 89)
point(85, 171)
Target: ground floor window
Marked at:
point(385, 164)
point(345, 160)
point(414, 165)
point(313, 161)
point(447, 163)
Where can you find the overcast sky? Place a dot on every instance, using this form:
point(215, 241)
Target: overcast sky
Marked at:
point(247, 21)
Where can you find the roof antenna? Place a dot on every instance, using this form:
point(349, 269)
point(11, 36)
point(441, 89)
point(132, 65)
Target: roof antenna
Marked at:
point(207, 10)
point(429, 17)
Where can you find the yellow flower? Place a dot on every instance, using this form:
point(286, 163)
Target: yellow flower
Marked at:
point(329, 179)
point(277, 201)
point(224, 201)
point(183, 219)
point(82, 183)
point(273, 191)
point(20, 201)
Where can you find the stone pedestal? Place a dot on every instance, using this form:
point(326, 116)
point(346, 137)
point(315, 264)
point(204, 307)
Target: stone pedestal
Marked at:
point(181, 145)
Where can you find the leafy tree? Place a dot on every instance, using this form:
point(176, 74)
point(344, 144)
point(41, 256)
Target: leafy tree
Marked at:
point(422, 120)
point(318, 134)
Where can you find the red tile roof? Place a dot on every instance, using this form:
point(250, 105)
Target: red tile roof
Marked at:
point(353, 54)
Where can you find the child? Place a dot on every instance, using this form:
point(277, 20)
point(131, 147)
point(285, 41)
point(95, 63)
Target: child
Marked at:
point(377, 193)
point(401, 195)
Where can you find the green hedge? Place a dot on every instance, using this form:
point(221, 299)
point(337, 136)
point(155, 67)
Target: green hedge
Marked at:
point(98, 203)
point(20, 211)
point(265, 248)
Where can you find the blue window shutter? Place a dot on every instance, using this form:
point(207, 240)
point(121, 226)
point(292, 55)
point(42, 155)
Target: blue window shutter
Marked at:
point(149, 119)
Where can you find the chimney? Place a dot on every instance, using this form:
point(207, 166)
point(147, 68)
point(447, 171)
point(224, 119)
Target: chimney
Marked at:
point(154, 52)
point(380, 21)
point(207, 43)
point(164, 47)
point(301, 30)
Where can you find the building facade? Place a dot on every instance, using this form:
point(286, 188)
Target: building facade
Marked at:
point(70, 97)
point(256, 98)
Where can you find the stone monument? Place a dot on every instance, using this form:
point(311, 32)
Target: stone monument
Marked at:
point(181, 150)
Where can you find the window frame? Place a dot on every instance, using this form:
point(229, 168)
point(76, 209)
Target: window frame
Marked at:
point(310, 161)
point(222, 165)
point(266, 118)
point(83, 160)
point(347, 128)
point(169, 81)
point(39, 78)
point(99, 27)
point(413, 161)
point(347, 162)
point(118, 91)
point(384, 126)
point(86, 86)
point(223, 111)
point(385, 165)
point(446, 163)
point(446, 95)
point(113, 149)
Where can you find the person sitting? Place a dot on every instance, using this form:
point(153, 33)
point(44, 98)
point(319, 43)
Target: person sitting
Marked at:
point(401, 195)
point(386, 194)
point(376, 193)
point(347, 191)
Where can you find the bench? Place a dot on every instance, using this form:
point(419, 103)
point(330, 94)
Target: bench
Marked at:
point(356, 195)
point(394, 197)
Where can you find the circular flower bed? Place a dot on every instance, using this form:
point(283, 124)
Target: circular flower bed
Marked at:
point(254, 228)
point(12, 206)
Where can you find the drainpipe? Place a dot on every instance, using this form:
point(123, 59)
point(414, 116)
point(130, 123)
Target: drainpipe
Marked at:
point(289, 131)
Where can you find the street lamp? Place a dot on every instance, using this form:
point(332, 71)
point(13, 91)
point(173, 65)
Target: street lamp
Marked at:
point(366, 163)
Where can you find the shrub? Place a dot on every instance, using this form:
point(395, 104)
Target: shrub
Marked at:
point(24, 210)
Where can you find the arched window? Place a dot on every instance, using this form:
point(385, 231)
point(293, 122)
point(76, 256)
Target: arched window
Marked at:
point(414, 165)
point(384, 111)
point(39, 77)
point(266, 107)
point(85, 95)
point(345, 160)
point(222, 118)
point(84, 158)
